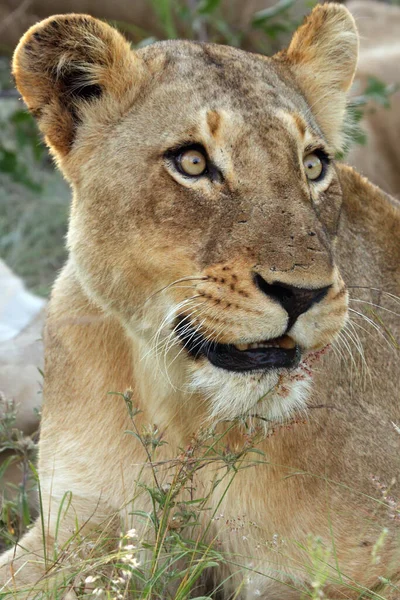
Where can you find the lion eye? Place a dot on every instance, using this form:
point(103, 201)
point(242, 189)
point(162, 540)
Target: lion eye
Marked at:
point(313, 166)
point(193, 162)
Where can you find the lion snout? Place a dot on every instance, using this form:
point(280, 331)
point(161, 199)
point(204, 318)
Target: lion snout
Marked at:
point(295, 300)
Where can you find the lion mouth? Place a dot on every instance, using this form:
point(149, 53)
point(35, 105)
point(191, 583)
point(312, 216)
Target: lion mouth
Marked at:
point(272, 354)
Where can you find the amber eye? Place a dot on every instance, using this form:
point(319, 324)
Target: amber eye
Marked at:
point(193, 163)
point(313, 166)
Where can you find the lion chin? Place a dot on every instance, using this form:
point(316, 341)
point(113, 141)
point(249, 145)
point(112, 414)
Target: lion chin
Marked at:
point(263, 398)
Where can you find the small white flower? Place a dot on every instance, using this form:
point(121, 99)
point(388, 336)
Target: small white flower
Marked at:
point(133, 562)
point(129, 547)
point(130, 560)
point(98, 592)
point(91, 579)
point(131, 534)
point(126, 575)
point(127, 558)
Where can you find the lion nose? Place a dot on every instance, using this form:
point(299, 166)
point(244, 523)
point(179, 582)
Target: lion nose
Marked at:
point(294, 300)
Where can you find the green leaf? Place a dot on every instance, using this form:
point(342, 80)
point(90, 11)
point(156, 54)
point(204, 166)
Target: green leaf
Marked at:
point(149, 516)
point(196, 501)
point(21, 116)
point(34, 471)
point(164, 11)
point(260, 18)
point(26, 515)
point(255, 451)
point(141, 513)
point(129, 432)
point(8, 161)
point(9, 164)
point(379, 91)
point(206, 7)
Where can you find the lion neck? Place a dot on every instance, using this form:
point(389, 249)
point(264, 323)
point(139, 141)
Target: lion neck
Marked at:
point(89, 354)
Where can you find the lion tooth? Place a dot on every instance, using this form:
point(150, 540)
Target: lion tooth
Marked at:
point(241, 346)
point(287, 342)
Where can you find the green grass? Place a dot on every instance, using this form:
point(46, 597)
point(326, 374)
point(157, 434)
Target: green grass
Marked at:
point(16, 451)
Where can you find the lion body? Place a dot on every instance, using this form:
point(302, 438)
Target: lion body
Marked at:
point(133, 236)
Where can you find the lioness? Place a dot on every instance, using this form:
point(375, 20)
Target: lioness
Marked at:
point(215, 250)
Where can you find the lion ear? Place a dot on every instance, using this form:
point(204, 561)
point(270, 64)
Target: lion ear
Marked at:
point(66, 63)
point(323, 57)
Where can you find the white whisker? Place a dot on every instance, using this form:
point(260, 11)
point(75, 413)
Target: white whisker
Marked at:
point(376, 306)
point(169, 285)
point(389, 294)
point(372, 323)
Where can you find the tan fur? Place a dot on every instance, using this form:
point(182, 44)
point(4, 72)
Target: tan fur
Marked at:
point(137, 226)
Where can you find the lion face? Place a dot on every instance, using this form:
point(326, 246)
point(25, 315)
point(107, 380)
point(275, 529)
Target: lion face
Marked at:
point(206, 202)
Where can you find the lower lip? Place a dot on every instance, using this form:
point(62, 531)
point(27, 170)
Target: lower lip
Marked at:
point(255, 359)
point(229, 358)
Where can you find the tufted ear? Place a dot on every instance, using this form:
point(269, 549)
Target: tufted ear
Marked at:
point(65, 65)
point(323, 57)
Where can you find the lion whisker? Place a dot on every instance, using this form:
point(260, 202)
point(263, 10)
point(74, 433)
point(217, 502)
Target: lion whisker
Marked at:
point(195, 331)
point(337, 351)
point(348, 348)
point(172, 337)
point(369, 333)
point(362, 287)
point(169, 285)
point(161, 349)
point(354, 337)
point(158, 344)
point(172, 313)
point(174, 340)
point(376, 306)
point(370, 322)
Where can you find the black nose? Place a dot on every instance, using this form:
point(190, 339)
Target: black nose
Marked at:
point(294, 300)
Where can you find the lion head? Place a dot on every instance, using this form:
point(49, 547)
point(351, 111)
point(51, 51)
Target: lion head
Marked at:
point(205, 197)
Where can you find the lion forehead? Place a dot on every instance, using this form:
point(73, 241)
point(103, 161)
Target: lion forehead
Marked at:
point(223, 75)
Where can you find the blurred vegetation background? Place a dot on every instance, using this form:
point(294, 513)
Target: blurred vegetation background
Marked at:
point(33, 196)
